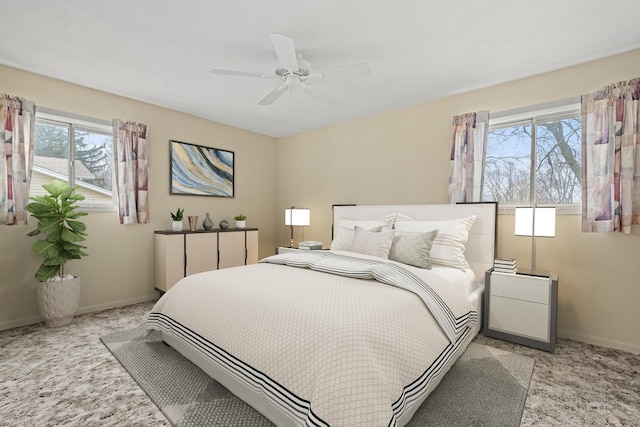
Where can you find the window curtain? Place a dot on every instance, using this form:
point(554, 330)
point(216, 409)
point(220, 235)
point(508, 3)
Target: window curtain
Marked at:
point(611, 158)
point(467, 156)
point(17, 120)
point(132, 171)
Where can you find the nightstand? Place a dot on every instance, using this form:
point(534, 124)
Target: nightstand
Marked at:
point(284, 249)
point(521, 308)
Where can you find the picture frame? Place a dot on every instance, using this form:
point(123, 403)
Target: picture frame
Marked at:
point(198, 170)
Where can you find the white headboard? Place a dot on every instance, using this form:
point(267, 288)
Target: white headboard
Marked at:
point(481, 246)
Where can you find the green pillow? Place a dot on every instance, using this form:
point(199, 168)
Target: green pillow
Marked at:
point(413, 248)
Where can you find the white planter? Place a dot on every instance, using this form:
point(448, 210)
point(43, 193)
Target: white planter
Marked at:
point(241, 224)
point(58, 300)
point(177, 225)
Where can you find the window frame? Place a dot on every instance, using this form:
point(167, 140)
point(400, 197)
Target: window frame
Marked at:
point(83, 123)
point(554, 110)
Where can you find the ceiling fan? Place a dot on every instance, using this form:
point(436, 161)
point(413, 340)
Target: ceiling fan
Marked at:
point(295, 71)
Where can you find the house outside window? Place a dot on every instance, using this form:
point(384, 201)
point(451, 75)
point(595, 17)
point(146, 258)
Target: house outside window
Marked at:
point(77, 150)
point(534, 155)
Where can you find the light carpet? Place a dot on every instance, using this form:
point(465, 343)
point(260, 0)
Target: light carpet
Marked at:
point(486, 387)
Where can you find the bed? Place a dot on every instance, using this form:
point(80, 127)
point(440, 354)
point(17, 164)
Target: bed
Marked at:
point(346, 337)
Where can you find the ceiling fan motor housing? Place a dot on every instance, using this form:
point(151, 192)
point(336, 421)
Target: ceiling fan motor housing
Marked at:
point(300, 72)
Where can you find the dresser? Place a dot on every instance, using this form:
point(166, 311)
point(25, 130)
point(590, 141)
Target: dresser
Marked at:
point(178, 254)
point(521, 308)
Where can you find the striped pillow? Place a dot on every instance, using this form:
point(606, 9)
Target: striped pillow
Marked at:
point(449, 244)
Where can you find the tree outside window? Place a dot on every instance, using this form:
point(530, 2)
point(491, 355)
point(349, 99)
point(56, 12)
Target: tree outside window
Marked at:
point(557, 164)
point(79, 153)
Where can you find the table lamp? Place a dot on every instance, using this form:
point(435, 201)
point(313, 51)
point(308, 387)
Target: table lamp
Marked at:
point(300, 217)
point(535, 222)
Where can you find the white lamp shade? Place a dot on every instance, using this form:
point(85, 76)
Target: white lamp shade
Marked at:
point(297, 216)
point(545, 221)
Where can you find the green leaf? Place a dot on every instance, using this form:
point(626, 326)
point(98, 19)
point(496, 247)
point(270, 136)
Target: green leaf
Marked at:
point(50, 225)
point(46, 272)
point(33, 233)
point(71, 236)
point(77, 226)
point(43, 248)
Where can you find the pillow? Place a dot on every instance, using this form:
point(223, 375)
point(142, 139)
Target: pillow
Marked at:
point(448, 246)
point(392, 218)
point(413, 248)
point(372, 243)
point(364, 223)
point(343, 237)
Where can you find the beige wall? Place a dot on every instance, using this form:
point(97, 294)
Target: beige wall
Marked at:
point(402, 157)
point(119, 268)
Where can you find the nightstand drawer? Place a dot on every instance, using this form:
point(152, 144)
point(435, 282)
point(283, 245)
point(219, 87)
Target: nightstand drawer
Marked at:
point(522, 287)
point(517, 317)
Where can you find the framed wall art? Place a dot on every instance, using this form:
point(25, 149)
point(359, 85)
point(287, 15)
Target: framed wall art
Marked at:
point(198, 170)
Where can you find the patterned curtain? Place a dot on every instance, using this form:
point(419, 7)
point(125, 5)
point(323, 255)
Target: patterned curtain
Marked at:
point(611, 158)
point(17, 120)
point(467, 156)
point(132, 171)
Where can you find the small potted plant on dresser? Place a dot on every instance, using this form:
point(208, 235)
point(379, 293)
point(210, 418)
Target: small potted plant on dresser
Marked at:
point(57, 293)
point(177, 219)
point(241, 220)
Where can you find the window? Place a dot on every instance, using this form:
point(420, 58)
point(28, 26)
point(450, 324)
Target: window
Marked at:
point(75, 149)
point(551, 172)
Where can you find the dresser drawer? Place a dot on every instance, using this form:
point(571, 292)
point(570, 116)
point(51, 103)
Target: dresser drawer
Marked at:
point(522, 287)
point(522, 318)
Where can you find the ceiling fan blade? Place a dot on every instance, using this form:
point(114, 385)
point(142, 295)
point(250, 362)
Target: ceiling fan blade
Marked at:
point(321, 95)
point(354, 71)
point(285, 49)
point(273, 95)
point(241, 73)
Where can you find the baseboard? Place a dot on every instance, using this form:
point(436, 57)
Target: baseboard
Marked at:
point(81, 310)
point(602, 342)
point(119, 303)
point(20, 322)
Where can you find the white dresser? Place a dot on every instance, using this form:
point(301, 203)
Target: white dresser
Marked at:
point(521, 308)
point(178, 254)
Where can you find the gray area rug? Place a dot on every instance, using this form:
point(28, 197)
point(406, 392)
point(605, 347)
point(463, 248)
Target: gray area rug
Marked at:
point(486, 387)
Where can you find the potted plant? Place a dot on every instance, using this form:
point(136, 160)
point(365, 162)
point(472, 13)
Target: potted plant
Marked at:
point(241, 220)
point(57, 293)
point(177, 219)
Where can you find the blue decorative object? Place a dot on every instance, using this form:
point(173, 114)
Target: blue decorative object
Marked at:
point(207, 224)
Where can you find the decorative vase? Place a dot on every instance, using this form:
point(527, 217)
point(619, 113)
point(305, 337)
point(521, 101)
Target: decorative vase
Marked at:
point(177, 225)
point(240, 224)
point(193, 222)
point(207, 224)
point(58, 300)
point(224, 224)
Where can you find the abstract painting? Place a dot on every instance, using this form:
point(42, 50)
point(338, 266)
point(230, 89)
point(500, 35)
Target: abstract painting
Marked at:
point(201, 171)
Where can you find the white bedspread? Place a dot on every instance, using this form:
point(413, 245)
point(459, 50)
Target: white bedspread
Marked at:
point(324, 348)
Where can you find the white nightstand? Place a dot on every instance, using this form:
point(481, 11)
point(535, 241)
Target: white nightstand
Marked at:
point(284, 249)
point(521, 308)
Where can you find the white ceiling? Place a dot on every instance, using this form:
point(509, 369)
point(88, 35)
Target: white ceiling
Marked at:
point(160, 51)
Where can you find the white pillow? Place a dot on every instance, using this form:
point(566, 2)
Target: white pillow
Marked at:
point(413, 248)
point(371, 243)
point(343, 238)
point(364, 223)
point(449, 244)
